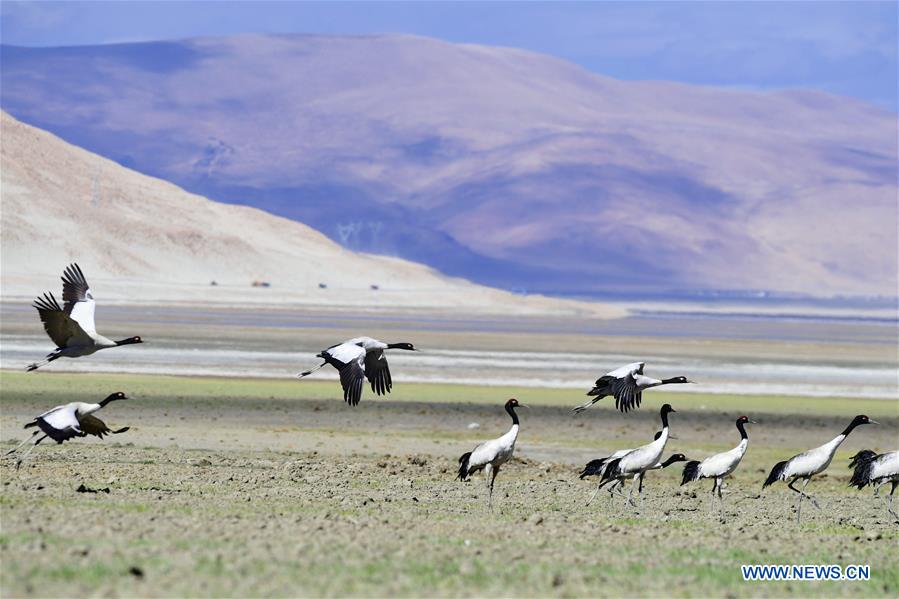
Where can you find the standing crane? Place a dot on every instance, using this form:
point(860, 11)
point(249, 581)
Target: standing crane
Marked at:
point(490, 455)
point(814, 461)
point(720, 465)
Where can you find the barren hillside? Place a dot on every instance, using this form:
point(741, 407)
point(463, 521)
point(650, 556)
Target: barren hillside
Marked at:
point(143, 239)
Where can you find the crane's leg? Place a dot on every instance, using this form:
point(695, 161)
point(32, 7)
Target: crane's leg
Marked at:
point(600, 486)
point(799, 503)
point(30, 449)
point(16, 448)
point(809, 497)
point(721, 484)
point(492, 476)
point(890, 500)
point(44, 362)
point(640, 489)
point(615, 488)
point(631, 492)
point(713, 492)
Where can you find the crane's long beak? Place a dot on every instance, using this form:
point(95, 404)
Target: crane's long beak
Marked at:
point(872, 421)
point(521, 405)
point(753, 422)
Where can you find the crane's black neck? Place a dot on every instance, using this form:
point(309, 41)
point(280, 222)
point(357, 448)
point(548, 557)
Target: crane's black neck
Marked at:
point(403, 345)
point(511, 411)
point(675, 379)
point(664, 419)
point(742, 430)
point(850, 428)
point(669, 461)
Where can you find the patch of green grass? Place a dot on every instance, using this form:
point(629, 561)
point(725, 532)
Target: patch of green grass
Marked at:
point(201, 389)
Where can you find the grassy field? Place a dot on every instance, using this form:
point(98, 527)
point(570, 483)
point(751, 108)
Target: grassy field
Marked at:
point(269, 487)
point(158, 388)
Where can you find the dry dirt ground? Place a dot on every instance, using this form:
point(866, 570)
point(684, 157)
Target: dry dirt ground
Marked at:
point(215, 494)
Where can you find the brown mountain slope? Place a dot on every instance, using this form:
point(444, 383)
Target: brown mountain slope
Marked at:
point(143, 239)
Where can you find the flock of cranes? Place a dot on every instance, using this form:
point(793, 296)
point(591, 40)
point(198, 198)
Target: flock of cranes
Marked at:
point(71, 327)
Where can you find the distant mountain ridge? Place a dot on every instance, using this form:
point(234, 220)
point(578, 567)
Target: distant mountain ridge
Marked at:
point(503, 166)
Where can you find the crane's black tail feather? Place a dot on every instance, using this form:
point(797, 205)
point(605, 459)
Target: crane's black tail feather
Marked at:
point(861, 464)
point(691, 472)
point(463, 465)
point(865, 455)
point(611, 470)
point(593, 468)
point(776, 473)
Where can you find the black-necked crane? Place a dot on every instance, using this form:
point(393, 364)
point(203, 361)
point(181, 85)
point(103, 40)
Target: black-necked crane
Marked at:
point(68, 421)
point(71, 327)
point(639, 460)
point(720, 465)
point(869, 468)
point(490, 455)
point(598, 466)
point(807, 464)
point(626, 384)
point(357, 359)
point(659, 465)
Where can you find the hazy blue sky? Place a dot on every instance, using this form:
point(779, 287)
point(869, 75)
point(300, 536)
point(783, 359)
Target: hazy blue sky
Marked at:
point(848, 48)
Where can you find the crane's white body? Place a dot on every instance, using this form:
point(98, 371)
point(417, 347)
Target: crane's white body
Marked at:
point(627, 369)
point(814, 461)
point(635, 463)
point(68, 416)
point(885, 468)
point(496, 452)
point(644, 458)
point(348, 352)
point(615, 486)
point(723, 464)
point(367, 343)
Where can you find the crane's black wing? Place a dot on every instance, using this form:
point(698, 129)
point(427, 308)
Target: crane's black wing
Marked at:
point(91, 425)
point(74, 286)
point(349, 360)
point(352, 379)
point(60, 328)
point(378, 372)
point(627, 395)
